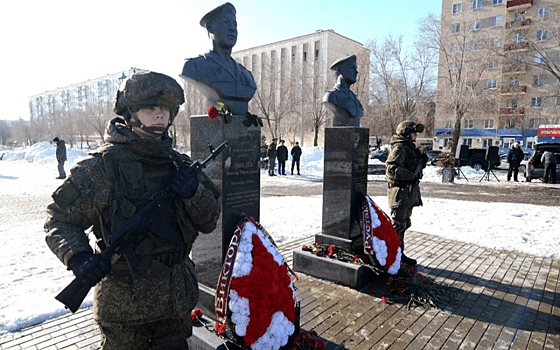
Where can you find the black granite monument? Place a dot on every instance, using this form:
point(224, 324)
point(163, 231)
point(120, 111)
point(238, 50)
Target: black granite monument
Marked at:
point(344, 182)
point(221, 79)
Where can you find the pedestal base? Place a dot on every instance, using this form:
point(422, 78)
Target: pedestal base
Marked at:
point(347, 274)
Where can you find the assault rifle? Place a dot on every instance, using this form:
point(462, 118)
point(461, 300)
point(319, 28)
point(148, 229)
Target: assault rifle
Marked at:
point(121, 242)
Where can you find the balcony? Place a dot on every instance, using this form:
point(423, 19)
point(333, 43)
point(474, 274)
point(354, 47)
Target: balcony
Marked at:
point(514, 69)
point(513, 90)
point(518, 4)
point(524, 45)
point(518, 24)
point(512, 111)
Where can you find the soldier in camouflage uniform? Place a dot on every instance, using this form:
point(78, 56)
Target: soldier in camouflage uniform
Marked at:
point(403, 180)
point(148, 308)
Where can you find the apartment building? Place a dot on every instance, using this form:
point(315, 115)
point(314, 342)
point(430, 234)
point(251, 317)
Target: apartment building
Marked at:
point(78, 96)
point(293, 75)
point(515, 43)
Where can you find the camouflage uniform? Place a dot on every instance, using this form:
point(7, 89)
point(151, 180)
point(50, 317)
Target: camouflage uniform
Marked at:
point(150, 306)
point(404, 190)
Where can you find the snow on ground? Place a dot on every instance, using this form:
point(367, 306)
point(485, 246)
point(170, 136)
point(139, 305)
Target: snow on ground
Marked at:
point(30, 275)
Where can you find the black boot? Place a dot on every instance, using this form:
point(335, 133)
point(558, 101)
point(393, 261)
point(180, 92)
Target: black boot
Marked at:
point(408, 261)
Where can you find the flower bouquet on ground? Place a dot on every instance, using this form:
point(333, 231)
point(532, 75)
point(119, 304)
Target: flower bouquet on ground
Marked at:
point(255, 298)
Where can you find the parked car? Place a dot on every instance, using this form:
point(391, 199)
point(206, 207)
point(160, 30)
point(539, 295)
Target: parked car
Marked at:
point(504, 164)
point(535, 168)
point(433, 156)
point(380, 154)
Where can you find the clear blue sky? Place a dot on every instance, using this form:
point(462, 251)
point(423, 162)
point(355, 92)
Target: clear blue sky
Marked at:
point(54, 43)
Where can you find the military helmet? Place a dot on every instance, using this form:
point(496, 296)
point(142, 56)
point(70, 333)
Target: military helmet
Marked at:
point(408, 127)
point(148, 89)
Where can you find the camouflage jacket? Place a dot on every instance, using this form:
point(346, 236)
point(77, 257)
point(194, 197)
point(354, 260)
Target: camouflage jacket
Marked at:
point(106, 188)
point(401, 163)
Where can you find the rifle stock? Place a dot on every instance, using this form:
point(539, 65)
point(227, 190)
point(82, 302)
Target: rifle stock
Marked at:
point(74, 294)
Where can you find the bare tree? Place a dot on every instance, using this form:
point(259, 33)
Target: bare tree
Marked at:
point(5, 131)
point(463, 59)
point(402, 83)
point(273, 99)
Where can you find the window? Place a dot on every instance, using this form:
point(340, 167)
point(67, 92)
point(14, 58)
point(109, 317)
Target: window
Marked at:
point(475, 25)
point(455, 28)
point(473, 46)
point(543, 12)
point(512, 103)
point(497, 2)
point(471, 84)
point(493, 64)
point(489, 124)
point(317, 49)
point(495, 42)
point(530, 144)
point(448, 124)
point(537, 80)
point(486, 143)
point(514, 82)
point(542, 35)
point(536, 102)
point(496, 21)
point(517, 38)
point(557, 101)
point(510, 124)
point(508, 141)
point(491, 83)
point(452, 67)
point(477, 4)
point(519, 16)
point(454, 48)
point(534, 123)
point(467, 142)
point(515, 60)
point(469, 124)
point(457, 8)
point(539, 58)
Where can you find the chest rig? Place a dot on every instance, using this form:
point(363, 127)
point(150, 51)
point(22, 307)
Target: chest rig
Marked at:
point(136, 179)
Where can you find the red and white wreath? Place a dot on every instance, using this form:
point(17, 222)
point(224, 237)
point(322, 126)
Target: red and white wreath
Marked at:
point(380, 238)
point(260, 295)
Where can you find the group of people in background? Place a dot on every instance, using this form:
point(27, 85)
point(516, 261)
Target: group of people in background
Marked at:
point(280, 153)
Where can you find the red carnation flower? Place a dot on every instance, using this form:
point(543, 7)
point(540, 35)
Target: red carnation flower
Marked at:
point(196, 314)
point(220, 328)
point(384, 300)
point(212, 112)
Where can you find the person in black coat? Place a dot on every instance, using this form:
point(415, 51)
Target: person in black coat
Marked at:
point(296, 156)
point(515, 156)
point(282, 155)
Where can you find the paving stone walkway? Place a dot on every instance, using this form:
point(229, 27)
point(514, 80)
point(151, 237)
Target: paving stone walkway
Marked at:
point(505, 300)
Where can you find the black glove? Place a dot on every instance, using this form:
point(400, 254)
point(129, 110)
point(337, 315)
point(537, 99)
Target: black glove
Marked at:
point(89, 268)
point(184, 183)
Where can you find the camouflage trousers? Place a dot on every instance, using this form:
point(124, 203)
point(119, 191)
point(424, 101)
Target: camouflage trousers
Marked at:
point(401, 221)
point(170, 334)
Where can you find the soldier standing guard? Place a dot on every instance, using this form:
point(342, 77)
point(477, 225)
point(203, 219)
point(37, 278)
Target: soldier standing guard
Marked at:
point(404, 171)
point(148, 307)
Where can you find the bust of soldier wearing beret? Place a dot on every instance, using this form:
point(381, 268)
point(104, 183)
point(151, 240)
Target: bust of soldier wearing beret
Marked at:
point(345, 105)
point(216, 74)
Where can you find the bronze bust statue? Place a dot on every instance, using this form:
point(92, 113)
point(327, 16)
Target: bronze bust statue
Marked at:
point(216, 73)
point(344, 104)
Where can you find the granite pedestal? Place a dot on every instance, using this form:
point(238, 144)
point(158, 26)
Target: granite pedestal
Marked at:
point(236, 172)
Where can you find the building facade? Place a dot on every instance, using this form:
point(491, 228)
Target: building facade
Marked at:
point(292, 77)
point(516, 43)
point(78, 96)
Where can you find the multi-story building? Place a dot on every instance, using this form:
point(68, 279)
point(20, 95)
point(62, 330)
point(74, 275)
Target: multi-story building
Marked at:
point(292, 77)
point(78, 96)
point(516, 91)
